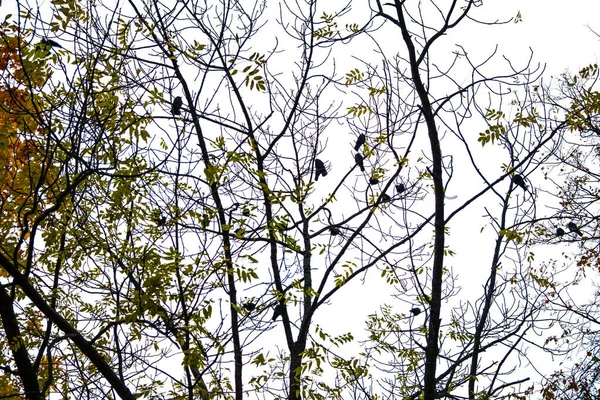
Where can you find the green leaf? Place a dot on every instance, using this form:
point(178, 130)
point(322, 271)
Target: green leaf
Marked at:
point(354, 76)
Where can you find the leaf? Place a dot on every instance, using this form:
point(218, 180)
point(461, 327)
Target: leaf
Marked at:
point(357, 111)
point(353, 76)
point(352, 27)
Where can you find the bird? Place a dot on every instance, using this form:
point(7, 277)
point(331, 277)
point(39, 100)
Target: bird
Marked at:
point(358, 158)
point(415, 311)
point(176, 106)
point(246, 212)
point(360, 141)
point(319, 169)
point(573, 228)
point(385, 198)
point(519, 181)
point(276, 312)
point(334, 230)
point(161, 221)
point(50, 42)
point(249, 306)
point(373, 180)
point(560, 231)
point(400, 187)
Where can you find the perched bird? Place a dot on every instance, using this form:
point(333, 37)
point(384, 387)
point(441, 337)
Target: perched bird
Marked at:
point(276, 312)
point(560, 231)
point(385, 198)
point(400, 187)
point(176, 106)
point(50, 42)
point(358, 158)
point(161, 221)
point(519, 181)
point(246, 212)
point(334, 230)
point(415, 311)
point(249, 306)
point(319, 169)
point(45, 45)
point(573, 228)
point(360, 141)
point(373, 181)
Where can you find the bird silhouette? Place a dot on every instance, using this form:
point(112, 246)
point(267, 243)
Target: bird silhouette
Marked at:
point(45, 45)
point(176, 106)
point(415, 311)
point(360, 141)
point(246, 212)
point(249, 306)
point(161, 220)
point(560, 231)
point(573, 228)
point(385, 198)
point(334, 230)
point(50, 42)
point(276, 312)
point(319, 169)
point(358, 158)
point(373, 180)
point(400, 187)
point(519, 181)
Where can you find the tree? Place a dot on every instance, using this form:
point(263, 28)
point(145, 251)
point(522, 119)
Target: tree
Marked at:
point(158, 228)
point(44, 158)
point(23, 165)
point(570, 292)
